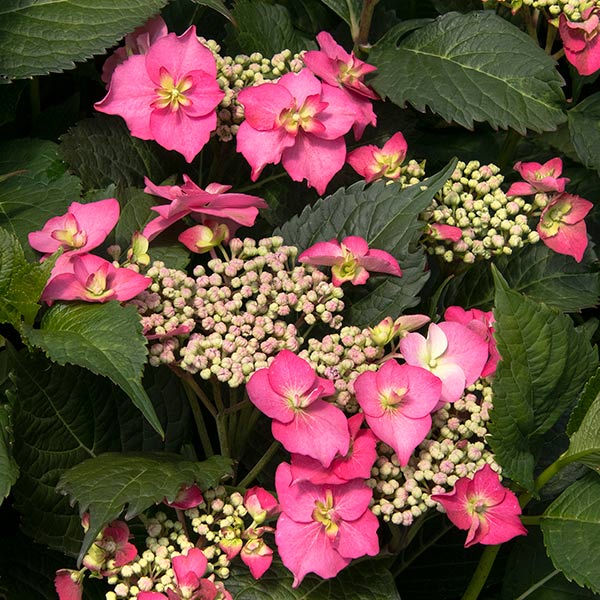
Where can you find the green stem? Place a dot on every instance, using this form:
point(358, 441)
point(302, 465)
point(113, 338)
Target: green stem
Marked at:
point(222, 419)
point(544, 477)
point(529, 24)
point(253, 186)
point(187, 378)
point(486, 562)
point(198, 419)
point(550, 37)
point(260, 465)
point(558, 55)
point(361, 41)
point(538, 585)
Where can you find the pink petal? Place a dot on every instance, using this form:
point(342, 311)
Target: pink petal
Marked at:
point(351, 500)
point(359, 460)
point(299, 499)
point(188, 497)
point(169, 192)
point(415, 350)
point(151, 596)
point(379, 261)
point(367, 393)
point(486, 483)
point(579, 208)
point(357, 245)
point(501, 528)
point(570, 240)
point(267, 400)
point(127, 284)
point(189, 567)
point(447, 232)
point(322, 254)
point(258, 564)
point(264, 103)
point(97, 219)
point(66, 587)
point(453, 382)
point(396, 145)
point(130, 96)
point(359, 538)
point(322, 66)
point(319, 431)
point(455, 503)
point(465, 348)
point(331, 48)
point(158, 225)
point(437, 340)
point(520, 188)
point(309, 469)
point(290, 375)
point(204, 94)
point(340, 114)
point(362, 160)
point(314, 159)
point(301, 85)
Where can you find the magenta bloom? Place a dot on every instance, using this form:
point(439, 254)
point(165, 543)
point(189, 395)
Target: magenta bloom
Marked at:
point(169, 94)
point(356, 464)
point(257, 556)
point(214, 202)
point(289, 392)
point(92, 279)
point(397, 401)
point(482, 323)
point(350, 260)
point(581, 41)
point(323, 527)
point(338, 68)
point(373, 163)
point(188, 497)
point(137, 42)
point(451, 352)
point(68, 584)
point(189, 569)
point(260, 504)
point(483, 506)
point(81, 229)
point(112, 550)
point(562, 226)
point(538, 178)
point(299, 122)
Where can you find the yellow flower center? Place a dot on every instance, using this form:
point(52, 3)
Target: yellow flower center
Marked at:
point(71, 235)
point(552, 219)
point(346, 270)
point(324, 514)
point(389, 164)
point(171, 94)
point(392, 400)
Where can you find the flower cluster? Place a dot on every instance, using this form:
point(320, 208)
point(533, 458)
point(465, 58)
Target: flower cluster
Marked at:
point(235, 315)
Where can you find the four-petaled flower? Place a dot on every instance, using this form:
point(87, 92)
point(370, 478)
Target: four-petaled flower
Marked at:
point(168, 94)
point(111, 551)
point(373, 163)
point(581, 40)
point(562, 226)
point(351, 260)
point(483, 506)
point(538, 178)
point(289, 392)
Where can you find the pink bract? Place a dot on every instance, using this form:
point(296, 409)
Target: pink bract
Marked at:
point(581, 41)
point(169, 94)
point(451, 352)
point(372, 162)
point(81, 229)
point(323, 527)
point(230, 209)
point(289, 392)
point(351, 260)
point(92, 279)
point(188, 497)
point(482, 323)
point(299, 122)
point(445, 232)
point(260, 504)
point(68, 584)
point(112, 550)
point(136, 42)
point(538, 178)
point(257, 556)
point(562, 226)
point(397, 401)
point(483, 506)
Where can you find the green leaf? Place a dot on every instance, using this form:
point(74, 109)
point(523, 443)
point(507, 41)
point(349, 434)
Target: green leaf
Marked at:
point(106, 338)
point(21, 283)
point(363, 581)
point(537, 271)
point(545, 363)
point(40, 188)
point(42, 37)
point(9, 470)
point(104, 485)
point(217, 5)
point(473, 67)
point(348, 10)
point(571, 527)
point(101, 151)
point(387, 218)
point(266, 28)
point(531, 574)
point(584, 126)
point(136, 212)
point(585, 441)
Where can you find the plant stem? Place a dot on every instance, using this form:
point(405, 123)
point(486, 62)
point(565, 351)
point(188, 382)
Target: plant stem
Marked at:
point(550, 37)
point(187, 378)
point(252, 186)
point(221, 418)
point(198, 419)
point(529, 24)
point(544, 477)
point(558, 55)
point(361, 40)
point(538, 585)
point(486, 562)
point(260, 465)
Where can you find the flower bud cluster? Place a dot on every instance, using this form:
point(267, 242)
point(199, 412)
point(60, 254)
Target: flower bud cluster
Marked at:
point(489, 223)
point(235, 315)
point(237, 72)
point(342, 357)
point(572, 9)
point(410, 173)
point(454, 448)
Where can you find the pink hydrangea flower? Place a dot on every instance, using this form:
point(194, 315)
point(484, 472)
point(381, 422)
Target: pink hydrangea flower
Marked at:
point(581, 41)
point(137, 42)
point(337, 67)
point(397, 401)
point(351, 260)
point(189, 569)
point(445, 232)
point(372, 162)
point(562, 226)
point(323, 527)
point(483, 506)
point(356, 464)
point(257, 556)
point(538, 178)
point(214, 202)
point(299, 122)
point(289, 392)
point(168, 94)
point(482, 323)
point(92, 279)
point(260, 504)
point(451, 352)
point(81, 229)
point(188, 497)
point(387, 329)
point(111, 551)
point(203, 238)
point(68, 584)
